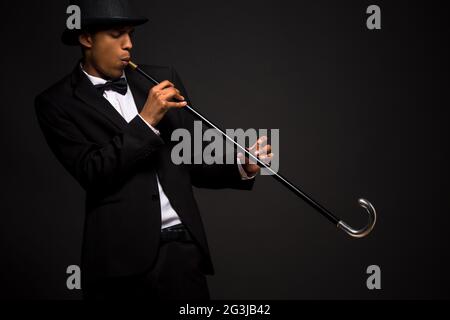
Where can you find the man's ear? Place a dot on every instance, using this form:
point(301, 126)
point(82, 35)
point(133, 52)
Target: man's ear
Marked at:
point(85, 40)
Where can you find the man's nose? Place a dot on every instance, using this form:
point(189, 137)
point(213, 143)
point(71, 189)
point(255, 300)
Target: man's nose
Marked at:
point(128, 44)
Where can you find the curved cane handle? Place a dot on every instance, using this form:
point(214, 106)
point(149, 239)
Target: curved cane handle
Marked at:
point(361, 233)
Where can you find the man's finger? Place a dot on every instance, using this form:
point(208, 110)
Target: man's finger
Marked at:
point(259, 143)
point(170, 93)
point(176, 104)
point(266, 158)
point(163, 85)
point(265, 150)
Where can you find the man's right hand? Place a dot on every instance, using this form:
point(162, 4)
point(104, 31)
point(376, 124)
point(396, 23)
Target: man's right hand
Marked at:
point(160, 99)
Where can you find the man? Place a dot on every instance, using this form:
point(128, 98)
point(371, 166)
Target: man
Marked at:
point(111, 129)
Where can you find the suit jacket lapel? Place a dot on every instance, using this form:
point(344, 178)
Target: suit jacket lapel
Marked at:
point(85, 91)
point(138, 89)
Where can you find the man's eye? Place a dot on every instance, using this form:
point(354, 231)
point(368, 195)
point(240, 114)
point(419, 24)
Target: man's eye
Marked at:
point(115, 34)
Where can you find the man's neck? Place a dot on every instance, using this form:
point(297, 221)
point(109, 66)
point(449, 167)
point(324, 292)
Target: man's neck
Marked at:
point(91, 70)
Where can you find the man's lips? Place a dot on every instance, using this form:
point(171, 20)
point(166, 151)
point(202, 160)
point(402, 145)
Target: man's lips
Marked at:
point(126, 60)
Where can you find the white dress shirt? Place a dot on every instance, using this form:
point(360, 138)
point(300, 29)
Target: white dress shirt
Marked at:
point(126, 106)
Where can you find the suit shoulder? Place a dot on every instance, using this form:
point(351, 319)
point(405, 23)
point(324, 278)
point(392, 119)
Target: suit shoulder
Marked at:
point(48, 100)
point(57, 89)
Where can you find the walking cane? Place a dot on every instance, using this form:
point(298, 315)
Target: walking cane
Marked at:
point(356, 233)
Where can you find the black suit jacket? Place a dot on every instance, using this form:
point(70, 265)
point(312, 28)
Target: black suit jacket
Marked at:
point(116, 162)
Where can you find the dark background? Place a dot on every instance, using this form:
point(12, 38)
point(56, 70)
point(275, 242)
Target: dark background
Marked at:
point(361, 114)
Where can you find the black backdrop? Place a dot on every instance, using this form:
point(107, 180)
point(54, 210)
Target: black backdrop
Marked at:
point(361, 114)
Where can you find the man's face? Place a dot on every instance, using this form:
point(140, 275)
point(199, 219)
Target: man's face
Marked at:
point(109, 51)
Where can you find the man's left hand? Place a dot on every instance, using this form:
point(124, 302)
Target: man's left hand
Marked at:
point(262, 151)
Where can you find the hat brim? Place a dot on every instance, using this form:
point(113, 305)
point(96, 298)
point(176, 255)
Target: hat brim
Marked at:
point(70, 37)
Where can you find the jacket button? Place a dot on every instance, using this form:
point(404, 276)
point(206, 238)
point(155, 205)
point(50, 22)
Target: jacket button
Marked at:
point(155, 197)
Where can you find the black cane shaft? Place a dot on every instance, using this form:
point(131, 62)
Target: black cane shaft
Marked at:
point(327, 214)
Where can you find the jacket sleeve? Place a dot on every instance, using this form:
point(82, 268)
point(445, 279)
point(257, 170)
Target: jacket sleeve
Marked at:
point(96, 167)
point(211, 176)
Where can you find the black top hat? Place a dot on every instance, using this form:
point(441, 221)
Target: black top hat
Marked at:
point(101, 14)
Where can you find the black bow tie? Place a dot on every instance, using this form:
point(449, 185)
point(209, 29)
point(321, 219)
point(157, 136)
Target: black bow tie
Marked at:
point(118, 85)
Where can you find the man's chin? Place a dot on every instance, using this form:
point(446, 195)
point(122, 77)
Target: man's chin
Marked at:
point(116, 73)
point(122, 68)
